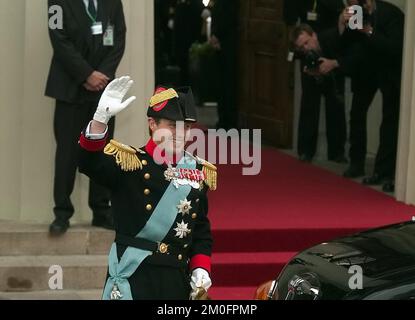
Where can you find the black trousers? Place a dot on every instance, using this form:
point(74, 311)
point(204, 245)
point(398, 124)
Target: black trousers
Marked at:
point(153, 282)
point(332, 88)
point(363, 96)
point(69, 121)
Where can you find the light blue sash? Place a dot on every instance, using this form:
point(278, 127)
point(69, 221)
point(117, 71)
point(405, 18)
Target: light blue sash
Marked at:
point(156, 229)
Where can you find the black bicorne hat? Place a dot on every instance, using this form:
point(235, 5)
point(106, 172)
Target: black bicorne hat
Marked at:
point(173, 104)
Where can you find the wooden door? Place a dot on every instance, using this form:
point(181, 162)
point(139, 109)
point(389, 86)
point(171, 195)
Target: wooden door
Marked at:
point(266, 79)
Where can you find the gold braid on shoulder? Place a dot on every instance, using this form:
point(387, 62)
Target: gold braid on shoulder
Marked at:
point(125, 156)
point(211, 175)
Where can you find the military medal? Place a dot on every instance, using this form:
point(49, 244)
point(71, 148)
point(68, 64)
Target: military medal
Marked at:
point(184, 177)
point(184, 207)
point(182, 230)
point(115, 293)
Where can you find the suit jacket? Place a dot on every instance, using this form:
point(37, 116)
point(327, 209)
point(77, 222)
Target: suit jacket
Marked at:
point(77, 53)
point(380, 55)
point(328, 13)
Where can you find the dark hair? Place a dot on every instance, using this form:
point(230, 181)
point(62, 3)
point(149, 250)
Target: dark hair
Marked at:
point(298, 30)
point(157, 120)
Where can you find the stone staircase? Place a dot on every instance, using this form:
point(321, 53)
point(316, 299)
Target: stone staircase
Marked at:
point(27, 253)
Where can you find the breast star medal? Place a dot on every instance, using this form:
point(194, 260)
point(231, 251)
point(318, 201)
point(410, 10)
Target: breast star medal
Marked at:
point(182, 230)
point(184, 207)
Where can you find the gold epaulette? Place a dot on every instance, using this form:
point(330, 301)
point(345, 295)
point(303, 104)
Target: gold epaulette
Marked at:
point(211, 175)
point(163, 96)
point(125, 156)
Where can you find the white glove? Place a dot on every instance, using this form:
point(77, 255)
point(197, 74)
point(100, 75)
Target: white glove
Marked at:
point(200, 279)
point(111, 103)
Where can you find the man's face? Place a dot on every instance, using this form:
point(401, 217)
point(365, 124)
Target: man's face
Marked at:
point(172, 135)
point(369, 5)
point(306, 42)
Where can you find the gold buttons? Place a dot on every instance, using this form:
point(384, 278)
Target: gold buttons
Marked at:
point(194, 216)
point(144, 162)
point(180, 257)
point(149, 207)
point(147, 192)
point(197, 200)
point(147, 176)
point(163, 248)
point(185, 246)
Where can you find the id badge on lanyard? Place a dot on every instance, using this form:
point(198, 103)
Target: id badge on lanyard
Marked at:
point(96, 27)
point(108, 39)
point(313, 15)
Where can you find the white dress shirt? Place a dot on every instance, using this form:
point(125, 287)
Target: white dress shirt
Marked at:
point(86, 2)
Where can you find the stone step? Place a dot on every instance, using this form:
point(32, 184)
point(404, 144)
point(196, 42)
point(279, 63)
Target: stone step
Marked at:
point(53, 295)
point(31, 273)
point(17, 239)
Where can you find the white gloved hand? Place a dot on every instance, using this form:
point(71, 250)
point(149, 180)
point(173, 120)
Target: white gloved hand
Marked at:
point(200, 279)
point(111, 102)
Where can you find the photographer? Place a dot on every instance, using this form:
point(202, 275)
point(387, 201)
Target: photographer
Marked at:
point(321, 16)
point(322, 69)
point(378, 66)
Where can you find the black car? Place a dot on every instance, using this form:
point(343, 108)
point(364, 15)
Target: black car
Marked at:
point(378, 264)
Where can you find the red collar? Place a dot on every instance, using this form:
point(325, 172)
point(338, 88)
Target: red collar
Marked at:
point(151, 148)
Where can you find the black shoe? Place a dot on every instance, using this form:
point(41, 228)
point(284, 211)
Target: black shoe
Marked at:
point(305, 158)
point(389, 187)
point(374, 180)
point(103, 222)
point(354, 172)
point(58, 227)
point(339, 159)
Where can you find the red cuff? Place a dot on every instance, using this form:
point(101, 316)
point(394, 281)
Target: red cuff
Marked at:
point(200, 261)
point(92, 145)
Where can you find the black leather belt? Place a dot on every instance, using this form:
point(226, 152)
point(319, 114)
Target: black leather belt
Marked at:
point(144, 244)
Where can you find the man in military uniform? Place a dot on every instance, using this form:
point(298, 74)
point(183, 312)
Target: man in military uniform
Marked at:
point(163, 238)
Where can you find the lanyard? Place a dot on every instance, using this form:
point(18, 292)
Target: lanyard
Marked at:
point(94, 20)
point(315, 6)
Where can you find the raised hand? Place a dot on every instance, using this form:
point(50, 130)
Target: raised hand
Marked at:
point(111, 102)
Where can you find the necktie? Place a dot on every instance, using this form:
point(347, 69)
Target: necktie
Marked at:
point(92, 9)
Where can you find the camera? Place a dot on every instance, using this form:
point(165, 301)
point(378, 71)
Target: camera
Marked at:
point(312, 60)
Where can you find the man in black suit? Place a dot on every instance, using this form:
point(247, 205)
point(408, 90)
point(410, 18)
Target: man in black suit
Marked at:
point(321, 16)
point(378, 67)
point(86, 54)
